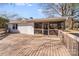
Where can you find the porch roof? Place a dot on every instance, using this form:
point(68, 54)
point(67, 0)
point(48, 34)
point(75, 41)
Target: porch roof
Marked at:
point(49, 20)
point(57, 19)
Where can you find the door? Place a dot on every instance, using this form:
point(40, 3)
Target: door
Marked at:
point(14, 27)
point(45, 29)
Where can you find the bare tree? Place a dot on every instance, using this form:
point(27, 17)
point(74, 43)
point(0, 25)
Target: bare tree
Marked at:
point(50, 9)
point(67, 9)
point(57, 9)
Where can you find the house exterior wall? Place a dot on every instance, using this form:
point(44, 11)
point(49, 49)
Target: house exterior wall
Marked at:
point(26, 29)
point(23, 28)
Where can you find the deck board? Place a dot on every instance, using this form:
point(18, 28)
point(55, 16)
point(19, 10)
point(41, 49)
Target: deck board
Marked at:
point(27, 45)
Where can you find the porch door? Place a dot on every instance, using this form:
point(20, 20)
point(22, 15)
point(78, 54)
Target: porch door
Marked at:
point(14, 27)
point(45, 29)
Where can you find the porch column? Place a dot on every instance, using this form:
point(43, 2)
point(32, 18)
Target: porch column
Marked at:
point(64, 25)
point(48, 28)
point(42, 28)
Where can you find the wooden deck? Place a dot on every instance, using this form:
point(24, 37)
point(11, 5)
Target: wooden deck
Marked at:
point(25, 45)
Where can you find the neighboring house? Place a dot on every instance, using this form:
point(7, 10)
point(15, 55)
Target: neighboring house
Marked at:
point(37, 26)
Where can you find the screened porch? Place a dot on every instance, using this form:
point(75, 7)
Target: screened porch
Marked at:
point(48, 28)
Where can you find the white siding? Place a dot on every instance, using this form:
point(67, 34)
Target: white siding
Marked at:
point(26, 29)
point(23, 28)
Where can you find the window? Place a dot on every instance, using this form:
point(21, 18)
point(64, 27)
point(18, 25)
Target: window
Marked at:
point(45, 32)
point(59, 25)
point(38, 31)
point(53, 25)
point(38, 25)
point(45, 25)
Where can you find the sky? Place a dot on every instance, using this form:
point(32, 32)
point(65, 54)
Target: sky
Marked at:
point(23, 10)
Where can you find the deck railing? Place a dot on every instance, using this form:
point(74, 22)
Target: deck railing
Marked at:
point(3, 34)
point(70, 41)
